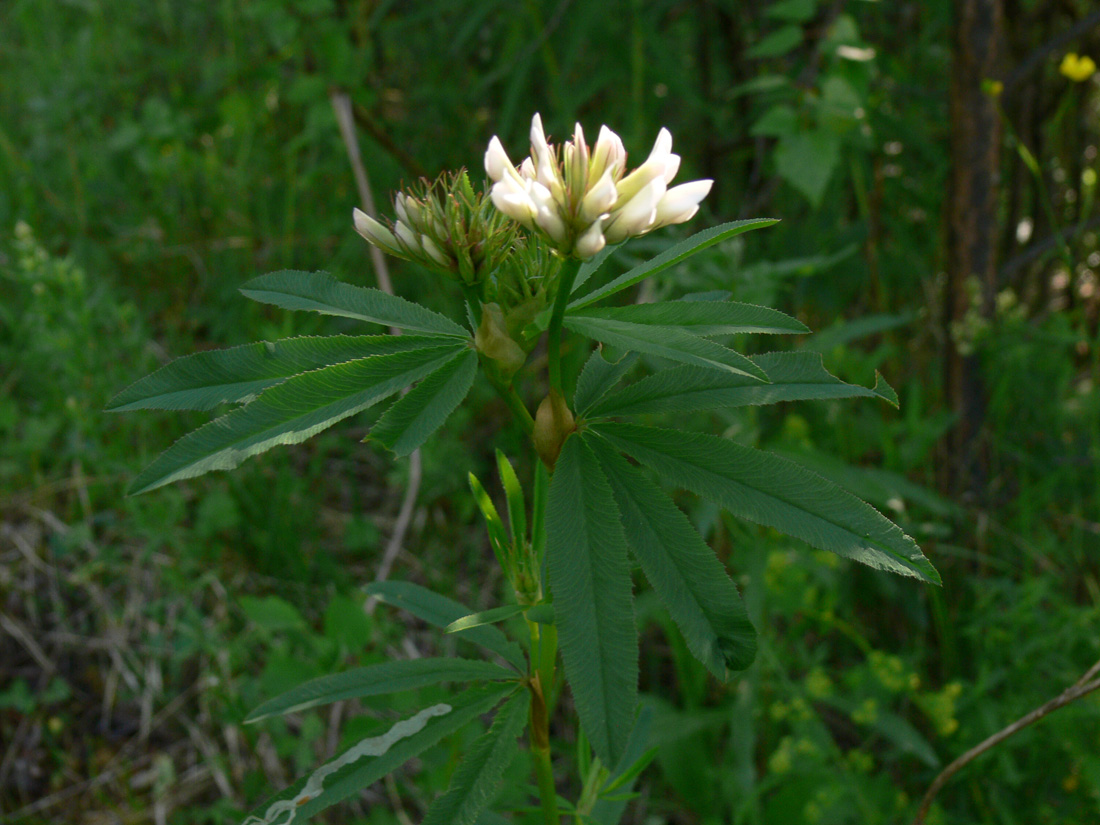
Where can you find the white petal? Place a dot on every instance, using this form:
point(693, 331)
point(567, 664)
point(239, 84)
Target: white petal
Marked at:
point(680, 203)
point(527, 169)
point(607, 154)
point(591, 241)
point(516, 205)
point(496, 160)
point(549, 220)
point(641, 177)
point(637, 216)
point(600, 198)
point(662, 147)
point(672, 166)
point(373, 231)
point(539, 145)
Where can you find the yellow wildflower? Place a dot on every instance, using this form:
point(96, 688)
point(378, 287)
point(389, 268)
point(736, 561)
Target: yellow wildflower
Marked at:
point(1077, 68)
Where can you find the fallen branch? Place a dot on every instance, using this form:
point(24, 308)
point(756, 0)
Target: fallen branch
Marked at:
point(1081, 687)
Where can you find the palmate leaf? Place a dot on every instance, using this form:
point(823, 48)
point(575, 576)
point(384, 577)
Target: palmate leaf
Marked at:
point(593, 603)
point(774, 492)
point(373, 758)
point(682, 569)
point(665, 342)
point(703, 318)
point(292, 412)
point(478, 777)
point(206, 379)
point(670, 257)
point(794, 376)
point(598, 377)
point(412, 419)
point(440, 611)
point(376, 680)
point(320, 292)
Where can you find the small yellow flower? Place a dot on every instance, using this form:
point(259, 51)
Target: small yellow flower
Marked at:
point(1077, 68)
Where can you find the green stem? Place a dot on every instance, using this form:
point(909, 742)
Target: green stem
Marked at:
point(566, 276)
point(544, 651)
point(515, 404)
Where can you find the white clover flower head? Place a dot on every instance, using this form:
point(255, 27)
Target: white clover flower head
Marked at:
point(444, 226)
point(581, 199)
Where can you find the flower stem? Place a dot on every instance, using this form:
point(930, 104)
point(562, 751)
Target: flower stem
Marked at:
point(566, 276)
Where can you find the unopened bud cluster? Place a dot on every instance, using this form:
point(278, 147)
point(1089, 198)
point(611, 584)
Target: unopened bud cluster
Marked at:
point(445, 226)
point(581, 198)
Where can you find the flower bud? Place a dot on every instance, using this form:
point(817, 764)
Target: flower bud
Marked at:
point(553, 424)
point(492, 341)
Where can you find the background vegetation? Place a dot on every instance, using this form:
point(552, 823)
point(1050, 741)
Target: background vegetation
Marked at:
point(155, 155)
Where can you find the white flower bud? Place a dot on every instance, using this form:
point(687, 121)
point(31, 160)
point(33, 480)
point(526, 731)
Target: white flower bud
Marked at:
point(399, 208)
point(591, 242)
point(407, 238)
point(373, 231)
point(434, 252)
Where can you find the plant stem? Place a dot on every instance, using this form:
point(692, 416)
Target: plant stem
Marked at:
point(566, 276)
point(515, 404)
point(540, 748)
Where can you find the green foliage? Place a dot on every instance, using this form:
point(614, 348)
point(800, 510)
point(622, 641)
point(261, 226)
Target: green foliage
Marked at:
point(215, 156)
point(590, 582)
point(775, 492)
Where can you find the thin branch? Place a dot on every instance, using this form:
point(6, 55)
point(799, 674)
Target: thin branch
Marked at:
point(1040, 248)
point(341, 105)
point(1081, 687)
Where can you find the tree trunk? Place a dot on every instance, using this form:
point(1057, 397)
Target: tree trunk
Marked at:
point(973, 233)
